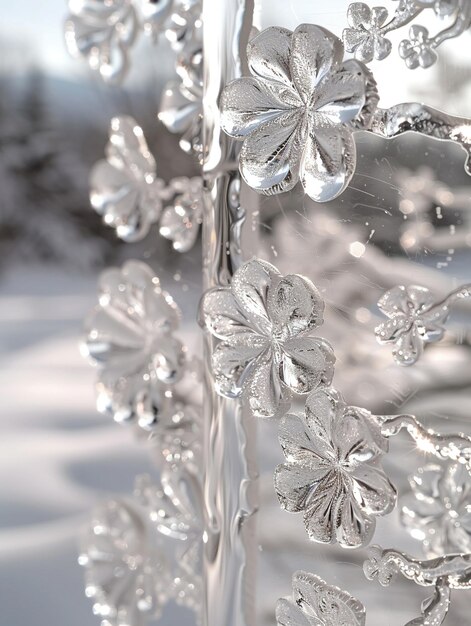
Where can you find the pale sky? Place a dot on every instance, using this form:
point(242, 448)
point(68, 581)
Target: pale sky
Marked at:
point(38, 25)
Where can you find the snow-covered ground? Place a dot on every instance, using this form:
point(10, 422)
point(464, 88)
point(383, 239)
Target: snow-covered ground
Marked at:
point(58, 456)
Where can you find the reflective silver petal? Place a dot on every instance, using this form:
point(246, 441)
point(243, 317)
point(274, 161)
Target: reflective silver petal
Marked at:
point(328, 162)
point(332, 472)
point(296, 115)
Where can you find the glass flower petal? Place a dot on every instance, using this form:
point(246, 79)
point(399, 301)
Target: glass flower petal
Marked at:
point(332, 472)
point(263, 320)
point(296, 114)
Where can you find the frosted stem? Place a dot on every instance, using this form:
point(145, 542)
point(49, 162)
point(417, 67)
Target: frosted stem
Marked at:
point(385, 564)
point(230, 498)
point(460, 293)
point(461, 23)
point(445, 447)
point(405, 13)
point(435, 609)
point(420, 118)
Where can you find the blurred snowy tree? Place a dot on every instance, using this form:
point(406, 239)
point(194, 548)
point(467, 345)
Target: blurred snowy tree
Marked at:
point(44, 210)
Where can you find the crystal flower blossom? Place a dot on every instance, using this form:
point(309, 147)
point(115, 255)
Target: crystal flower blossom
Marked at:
point(297, 111)
point(414, 319)
point(364, 37)
point(418, 51)
point(124, 188)
point(129, 336)
point(103, 33)
point(315, 603)
point(126, 575)
point(180, 221)
point(265, 354)
point(438, 511)
point(175, 511)
point(332, 471)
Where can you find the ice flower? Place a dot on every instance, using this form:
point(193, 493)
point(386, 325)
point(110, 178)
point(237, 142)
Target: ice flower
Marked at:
point(124, 188)
point(175, 511)
point(417, 50)
point(130, 337)
point(126, 575)
point(315, 603)
point(297, 111)
point(263, 321)
point(414, 319)
point(365, 37)
point(180, 222)
point(332, 471)
point(102, 33)
point(438, 511)
point(156, 15)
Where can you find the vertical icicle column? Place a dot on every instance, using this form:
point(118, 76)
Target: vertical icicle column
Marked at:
point(230, 496)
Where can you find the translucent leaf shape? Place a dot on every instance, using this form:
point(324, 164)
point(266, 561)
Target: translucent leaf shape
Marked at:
point(176, 431)
point(155, 15)
point(181, 112)
point(181, 108)
point(184, 24)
